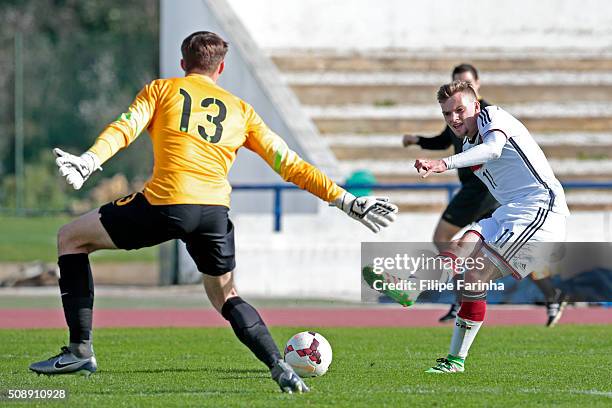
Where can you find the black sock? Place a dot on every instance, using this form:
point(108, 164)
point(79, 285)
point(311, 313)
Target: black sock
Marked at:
point(547, 288)
point(251, 330)
point(77, 290)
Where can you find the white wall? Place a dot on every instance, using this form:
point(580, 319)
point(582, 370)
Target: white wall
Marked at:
point(439, 24)
point(320, 256)
point(179, 19)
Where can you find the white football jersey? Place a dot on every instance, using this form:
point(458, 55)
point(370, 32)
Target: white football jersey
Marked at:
point(521, 175)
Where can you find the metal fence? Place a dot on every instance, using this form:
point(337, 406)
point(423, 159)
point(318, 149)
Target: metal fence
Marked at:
point(277, 189)
point(450, 188)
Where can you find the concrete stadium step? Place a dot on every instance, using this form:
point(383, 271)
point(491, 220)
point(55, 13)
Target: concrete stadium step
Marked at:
point(575, 116)
point(451, 177)
point(577, 108)
point(391, 88)
point(388, 146)
point(400, 126)
point(423, 60)
point(363, 102)
point(574, 197)
point(405, 208)
point(436, 200)
point(395, 153)
point(508, 78)
point(381, 95)
point(428, 201)
point(543, 139)
point(587, 169)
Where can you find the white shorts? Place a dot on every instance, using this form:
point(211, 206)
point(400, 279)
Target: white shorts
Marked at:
point(513, 234)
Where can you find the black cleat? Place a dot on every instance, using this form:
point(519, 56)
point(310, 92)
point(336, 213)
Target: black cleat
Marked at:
point(65, 363)
point(554, 309)
point(287, 379)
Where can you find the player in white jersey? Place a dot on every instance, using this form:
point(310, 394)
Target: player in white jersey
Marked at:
point(510, 163)
point(503, 154)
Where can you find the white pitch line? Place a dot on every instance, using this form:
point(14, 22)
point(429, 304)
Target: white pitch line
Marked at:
point(584, 109)
point(593, 392)
point(552, 78)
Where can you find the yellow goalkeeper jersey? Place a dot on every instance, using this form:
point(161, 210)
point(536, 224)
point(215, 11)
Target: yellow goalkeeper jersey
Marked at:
point(196, 128)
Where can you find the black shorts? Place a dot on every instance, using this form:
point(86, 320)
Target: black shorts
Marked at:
point(472, 203)
point(132, 223)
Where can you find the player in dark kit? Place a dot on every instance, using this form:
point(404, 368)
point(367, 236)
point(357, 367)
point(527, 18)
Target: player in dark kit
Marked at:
point(196, 128)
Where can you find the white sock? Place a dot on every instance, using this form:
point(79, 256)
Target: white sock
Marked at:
point(464, 334)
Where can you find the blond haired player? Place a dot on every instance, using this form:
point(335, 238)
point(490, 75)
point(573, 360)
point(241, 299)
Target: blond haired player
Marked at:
point(504, 156)
point(196, 128)
point(473, 202)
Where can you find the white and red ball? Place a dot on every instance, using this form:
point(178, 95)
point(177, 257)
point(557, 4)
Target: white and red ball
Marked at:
point(309, 353)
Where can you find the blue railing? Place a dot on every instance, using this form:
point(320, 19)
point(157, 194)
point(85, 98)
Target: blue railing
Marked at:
point(450, 188)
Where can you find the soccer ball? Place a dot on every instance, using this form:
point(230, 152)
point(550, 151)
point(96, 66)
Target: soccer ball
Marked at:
point(309, 354)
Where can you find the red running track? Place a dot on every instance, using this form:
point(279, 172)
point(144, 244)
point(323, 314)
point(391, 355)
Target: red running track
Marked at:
point(307, 317)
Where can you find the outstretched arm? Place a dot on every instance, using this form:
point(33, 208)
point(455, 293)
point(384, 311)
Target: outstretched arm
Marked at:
point(374, 212)
point(490, 149)
point(440, 142)
point(118, 135)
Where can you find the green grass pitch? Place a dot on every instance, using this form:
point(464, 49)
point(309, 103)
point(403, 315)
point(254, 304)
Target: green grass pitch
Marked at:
point(169, 367)
point(24, 239)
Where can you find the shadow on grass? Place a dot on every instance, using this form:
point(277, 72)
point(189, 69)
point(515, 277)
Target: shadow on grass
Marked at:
point(189, 370)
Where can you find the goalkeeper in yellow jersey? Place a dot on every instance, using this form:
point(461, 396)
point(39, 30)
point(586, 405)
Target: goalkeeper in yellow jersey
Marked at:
point(196, 128)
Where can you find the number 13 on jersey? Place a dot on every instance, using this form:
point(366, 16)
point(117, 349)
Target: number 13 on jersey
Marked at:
point(215, 120)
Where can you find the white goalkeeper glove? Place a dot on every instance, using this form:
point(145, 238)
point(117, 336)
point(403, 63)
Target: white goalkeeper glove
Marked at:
point(76, 169)
point(375, 213)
